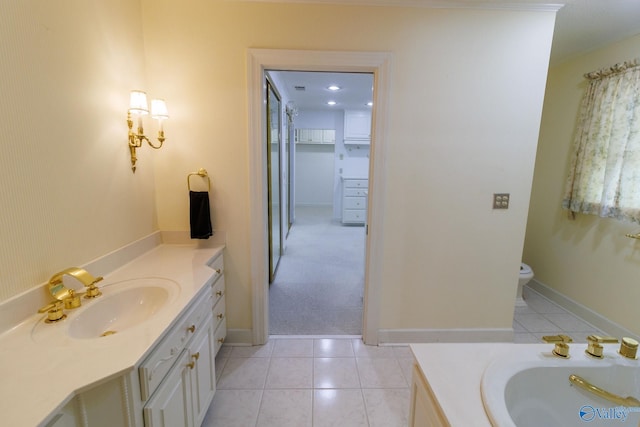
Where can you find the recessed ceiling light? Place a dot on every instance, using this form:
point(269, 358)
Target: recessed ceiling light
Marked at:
point(370, 103)
point(334, 87)
point(331, 103)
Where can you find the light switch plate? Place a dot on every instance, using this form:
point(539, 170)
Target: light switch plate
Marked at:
point(500, 200)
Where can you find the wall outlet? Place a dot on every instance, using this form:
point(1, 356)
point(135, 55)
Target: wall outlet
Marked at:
point(500, 200)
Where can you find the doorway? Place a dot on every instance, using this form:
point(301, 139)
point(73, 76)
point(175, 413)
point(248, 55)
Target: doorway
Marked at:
point(318, 288)
point(260, 60)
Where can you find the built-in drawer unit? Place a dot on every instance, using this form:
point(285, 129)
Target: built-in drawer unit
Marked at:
point(219, 305)
point(157, 365)
point(354, 200)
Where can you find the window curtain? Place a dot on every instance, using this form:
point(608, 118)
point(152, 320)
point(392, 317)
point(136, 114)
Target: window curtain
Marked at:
point(604, 175)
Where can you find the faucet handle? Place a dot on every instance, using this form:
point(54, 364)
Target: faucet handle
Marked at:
point(557, 338)
point(54, 311)
point(594, 345)
point(628, 348)
point(561, 348)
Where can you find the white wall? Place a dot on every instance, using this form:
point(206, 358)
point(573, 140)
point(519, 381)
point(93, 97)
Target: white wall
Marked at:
point(315, 164)
point(67, 193)
point(587, 259)
point(467, 90)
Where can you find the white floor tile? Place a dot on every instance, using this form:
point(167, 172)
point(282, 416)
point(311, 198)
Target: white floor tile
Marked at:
point(233, 408)
point(253, 350)
point(339, 408)
point(335, 372)
point(293, 347)
point(536, 323)
point(332, 348)
point(387, 407)
point(244, 373)
point(380, 373)
point(362, 350)
point(568, 322)
point(286, 408)
point(290, 372)
point(402, 352)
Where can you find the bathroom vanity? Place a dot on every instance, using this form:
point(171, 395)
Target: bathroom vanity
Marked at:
point(159, 372)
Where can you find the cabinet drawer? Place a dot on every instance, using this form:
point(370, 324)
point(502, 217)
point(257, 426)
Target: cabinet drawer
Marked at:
point(355, 192)
point(218, 291)
point(218, 267)
point(156, 366)
point(354, 215)
point(355, 203)
point(219, 312)
point(356, 183)
point(219, 335)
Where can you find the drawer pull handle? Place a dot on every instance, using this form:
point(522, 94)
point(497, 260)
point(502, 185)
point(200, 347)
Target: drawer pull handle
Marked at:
point(219, 293)
point(221, 340)
point(174, 351)
point(191, 328)
point(196, 356)
point(191, 365)
point(220, 316)
point(218, 270)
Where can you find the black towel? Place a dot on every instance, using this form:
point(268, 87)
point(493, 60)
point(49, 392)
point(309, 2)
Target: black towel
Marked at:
point(200, 215)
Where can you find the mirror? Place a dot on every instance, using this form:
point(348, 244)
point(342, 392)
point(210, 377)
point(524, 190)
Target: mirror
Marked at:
point(273, 178)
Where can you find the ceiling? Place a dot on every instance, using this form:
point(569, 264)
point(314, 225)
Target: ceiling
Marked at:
point(581, 26)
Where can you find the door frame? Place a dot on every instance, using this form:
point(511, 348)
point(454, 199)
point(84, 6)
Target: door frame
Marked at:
point(258, 62)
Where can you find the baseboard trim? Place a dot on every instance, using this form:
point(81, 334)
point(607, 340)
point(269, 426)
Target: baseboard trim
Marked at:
point(404, 336)
point(582, 311)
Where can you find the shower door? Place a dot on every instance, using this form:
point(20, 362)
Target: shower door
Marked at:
point(274, 156)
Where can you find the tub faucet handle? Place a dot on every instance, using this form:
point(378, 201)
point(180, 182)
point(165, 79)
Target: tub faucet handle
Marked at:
point(594, 345)
point(561, 348)
point(557, 338)
point(628, 348)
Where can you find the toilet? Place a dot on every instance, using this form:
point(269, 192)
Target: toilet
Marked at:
point(526, 274)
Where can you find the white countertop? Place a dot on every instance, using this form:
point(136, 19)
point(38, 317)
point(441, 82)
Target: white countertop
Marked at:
point(37, 379)
point(454, 372)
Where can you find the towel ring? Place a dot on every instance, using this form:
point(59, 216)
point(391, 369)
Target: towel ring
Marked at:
point(201, 172)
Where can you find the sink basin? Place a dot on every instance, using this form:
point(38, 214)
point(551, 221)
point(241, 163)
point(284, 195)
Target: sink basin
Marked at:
point(122, 306)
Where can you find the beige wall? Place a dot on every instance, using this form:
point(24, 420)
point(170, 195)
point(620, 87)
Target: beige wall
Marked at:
point(466, 97)
point(68, 194)
point(588, 260)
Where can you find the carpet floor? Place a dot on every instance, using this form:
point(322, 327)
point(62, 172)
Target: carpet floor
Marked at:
point(319, 282)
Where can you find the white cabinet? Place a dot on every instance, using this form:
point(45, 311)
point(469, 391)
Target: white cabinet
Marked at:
point(354, 200)
point(187, 391)
point(425, 410)
point(357, 127)
point(175, 384)
point(219, 306)
point(315, 136)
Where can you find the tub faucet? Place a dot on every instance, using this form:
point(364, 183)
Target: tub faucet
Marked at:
point(561, 348)
point(594, 345)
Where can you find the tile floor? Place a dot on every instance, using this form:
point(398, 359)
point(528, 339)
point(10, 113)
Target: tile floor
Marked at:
point(339, 381)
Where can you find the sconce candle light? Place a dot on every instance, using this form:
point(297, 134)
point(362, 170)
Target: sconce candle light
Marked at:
point(138, 107)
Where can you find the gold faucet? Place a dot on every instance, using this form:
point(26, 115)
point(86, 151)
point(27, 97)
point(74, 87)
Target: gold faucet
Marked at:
point(594, 345)
point(56, 286)
point(65, 297)
point(561, 348)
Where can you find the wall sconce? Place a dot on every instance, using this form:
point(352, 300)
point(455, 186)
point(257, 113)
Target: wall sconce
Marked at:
point(138, 107)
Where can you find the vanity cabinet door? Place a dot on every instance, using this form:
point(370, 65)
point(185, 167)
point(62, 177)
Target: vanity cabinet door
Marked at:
point(171, 403)
point(203, 372)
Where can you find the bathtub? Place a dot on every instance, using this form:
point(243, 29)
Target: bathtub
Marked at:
point(534, 390)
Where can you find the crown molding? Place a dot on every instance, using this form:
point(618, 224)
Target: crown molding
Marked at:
point(427, 4)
